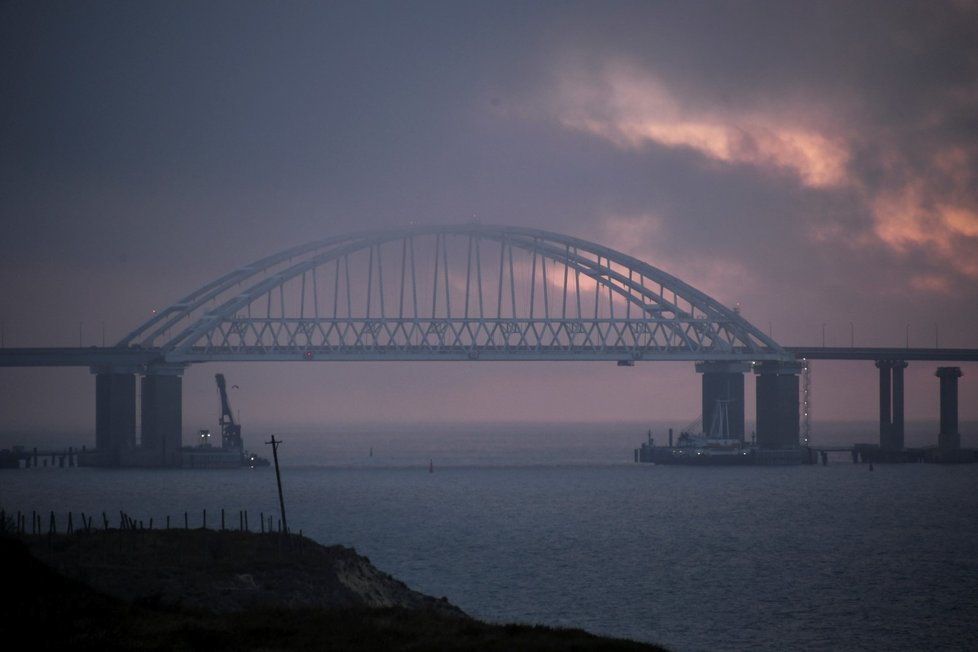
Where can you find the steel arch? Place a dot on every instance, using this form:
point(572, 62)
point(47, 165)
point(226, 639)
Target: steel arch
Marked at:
point(506, 305)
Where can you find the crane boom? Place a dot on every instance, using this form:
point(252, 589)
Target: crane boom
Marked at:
point(230, 431)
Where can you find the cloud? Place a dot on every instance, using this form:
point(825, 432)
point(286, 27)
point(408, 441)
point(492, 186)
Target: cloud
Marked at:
point(632, 109)
point(913, 177)
point(926, 204)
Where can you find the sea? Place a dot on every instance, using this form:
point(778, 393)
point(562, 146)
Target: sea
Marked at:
point(555, 524)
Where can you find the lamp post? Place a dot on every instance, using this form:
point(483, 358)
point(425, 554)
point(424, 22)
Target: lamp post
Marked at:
point(852, 335)
point(823, 334)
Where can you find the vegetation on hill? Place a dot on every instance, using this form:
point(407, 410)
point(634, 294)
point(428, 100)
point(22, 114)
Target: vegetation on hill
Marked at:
point(221, 590)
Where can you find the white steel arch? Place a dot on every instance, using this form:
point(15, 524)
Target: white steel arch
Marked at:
point(457, 292)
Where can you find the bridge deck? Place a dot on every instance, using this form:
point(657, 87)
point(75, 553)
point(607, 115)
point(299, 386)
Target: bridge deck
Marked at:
point(104, 357)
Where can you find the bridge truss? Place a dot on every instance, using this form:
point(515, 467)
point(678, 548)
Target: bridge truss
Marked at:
point(463, 292)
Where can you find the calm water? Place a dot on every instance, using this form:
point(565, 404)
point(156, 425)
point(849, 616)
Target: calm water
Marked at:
point(557, 526)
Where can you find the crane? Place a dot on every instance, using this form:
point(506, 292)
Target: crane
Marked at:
point(230, 431)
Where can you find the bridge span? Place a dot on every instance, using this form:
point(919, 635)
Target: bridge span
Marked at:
point(461, 292)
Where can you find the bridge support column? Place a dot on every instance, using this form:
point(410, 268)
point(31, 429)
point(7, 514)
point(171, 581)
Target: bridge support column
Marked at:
point(891, 403)
point(777, 404)
point(162, 414)
point(949, 437)
point(723, 398)
point(115, 414)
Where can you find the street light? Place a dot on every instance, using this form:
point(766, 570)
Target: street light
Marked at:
point(823, 334)
point(852, 335)
point(908, 336)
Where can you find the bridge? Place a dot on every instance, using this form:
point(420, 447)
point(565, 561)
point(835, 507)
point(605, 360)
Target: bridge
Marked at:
point(460, 292)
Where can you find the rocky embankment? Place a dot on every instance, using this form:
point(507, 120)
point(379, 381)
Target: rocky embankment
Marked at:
point(204, 589)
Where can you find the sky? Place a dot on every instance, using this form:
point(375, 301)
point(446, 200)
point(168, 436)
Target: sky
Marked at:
point(814, 163)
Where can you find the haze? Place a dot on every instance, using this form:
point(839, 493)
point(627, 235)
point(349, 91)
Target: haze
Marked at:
point(812, 163)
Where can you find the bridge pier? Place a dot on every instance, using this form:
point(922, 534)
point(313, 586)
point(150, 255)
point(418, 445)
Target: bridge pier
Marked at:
point(723, 397)
point(161, 415)
point(949, 438)
point(160, 419)
point(891, 403)
point(115, 413)
point(777, 404)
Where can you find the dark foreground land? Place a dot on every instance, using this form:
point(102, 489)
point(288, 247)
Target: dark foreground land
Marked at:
point(222, 590)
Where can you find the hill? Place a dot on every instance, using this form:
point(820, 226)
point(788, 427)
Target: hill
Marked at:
point(223, 590)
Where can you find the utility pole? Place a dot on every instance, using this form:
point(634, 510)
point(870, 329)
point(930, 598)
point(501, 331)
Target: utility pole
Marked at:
point(278, 479)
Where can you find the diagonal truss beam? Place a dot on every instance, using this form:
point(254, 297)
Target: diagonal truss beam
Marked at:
point(451, 292)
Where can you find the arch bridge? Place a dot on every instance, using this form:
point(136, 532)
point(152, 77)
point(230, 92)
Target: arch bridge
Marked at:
point(467, 292)
point(459, 292)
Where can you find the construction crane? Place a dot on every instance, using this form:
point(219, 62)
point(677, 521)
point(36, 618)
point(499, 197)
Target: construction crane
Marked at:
point(230, 431)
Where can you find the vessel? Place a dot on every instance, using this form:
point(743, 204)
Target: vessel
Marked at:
point(698, 449)
point(231, 453)
point(717, 448)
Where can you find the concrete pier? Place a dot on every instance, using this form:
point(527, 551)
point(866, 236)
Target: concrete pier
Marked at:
point(891, 404)
point(777, 405)
point(115, 413)
point(949, 438)
point(161, 415)
point(723, 397)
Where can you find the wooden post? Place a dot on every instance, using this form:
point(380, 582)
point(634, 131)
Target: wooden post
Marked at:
point(278, 479)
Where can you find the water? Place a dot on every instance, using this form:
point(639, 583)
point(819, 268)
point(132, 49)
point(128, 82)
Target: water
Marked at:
point(556, 525)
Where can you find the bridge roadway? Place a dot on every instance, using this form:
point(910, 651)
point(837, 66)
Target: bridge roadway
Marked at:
point(107, 357)
point(907, 354)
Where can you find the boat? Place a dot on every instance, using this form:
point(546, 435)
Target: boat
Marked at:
point(716, 448)
point(253, 461)
point(231, 452)
point(698, 449)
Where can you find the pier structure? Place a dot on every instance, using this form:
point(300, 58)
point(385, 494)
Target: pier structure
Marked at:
point(778, 423)
point(161, 413)
point(723, 397)
point(160, 416)
point(891, 403)
point(115, 413)
point(949, 439)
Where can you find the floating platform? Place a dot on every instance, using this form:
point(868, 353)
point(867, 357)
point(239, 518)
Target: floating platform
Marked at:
point(705, 456)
